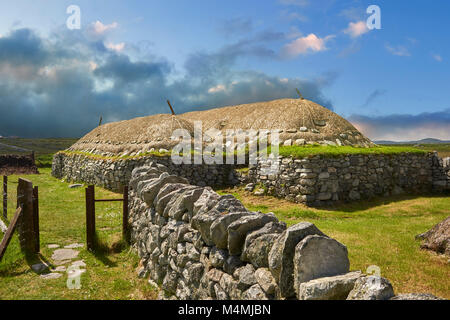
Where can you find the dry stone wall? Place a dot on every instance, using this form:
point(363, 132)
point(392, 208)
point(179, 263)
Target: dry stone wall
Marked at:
point(115, 174)
point(318, 181)
point(197, 244)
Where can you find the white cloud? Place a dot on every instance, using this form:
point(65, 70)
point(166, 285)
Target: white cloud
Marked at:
point(100, 28)
point(304, 45)
point(356, 29)
point(217, 88)
point(92, 65)
point(437, 57)
point(400, 51)
point(115, 46)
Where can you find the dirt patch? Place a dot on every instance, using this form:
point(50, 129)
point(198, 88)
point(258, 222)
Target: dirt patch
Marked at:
point(16, 164)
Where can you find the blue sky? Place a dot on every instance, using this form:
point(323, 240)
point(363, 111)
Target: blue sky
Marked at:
point(129, 56)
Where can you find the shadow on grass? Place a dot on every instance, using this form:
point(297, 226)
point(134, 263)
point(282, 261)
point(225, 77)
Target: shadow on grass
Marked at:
point(102, 250)
point(374, 202)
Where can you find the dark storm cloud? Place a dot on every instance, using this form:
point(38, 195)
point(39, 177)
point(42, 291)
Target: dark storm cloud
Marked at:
point(60, 85)
point(403, 127)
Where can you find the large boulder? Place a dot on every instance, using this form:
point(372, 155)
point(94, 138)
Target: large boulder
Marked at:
point(281, 256)
point(371, 288)
point(329, 288)
point(258, 243)
point(319, 256)
point(238, 230)
point(438, 238)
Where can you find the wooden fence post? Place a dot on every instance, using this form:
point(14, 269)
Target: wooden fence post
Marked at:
point(125, 214)
point(90, 217)
point(5, 197)
point(37, 245)
point(26, 224)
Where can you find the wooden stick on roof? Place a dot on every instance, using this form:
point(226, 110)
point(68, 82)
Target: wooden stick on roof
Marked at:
point(299, 94)
point(170, 106)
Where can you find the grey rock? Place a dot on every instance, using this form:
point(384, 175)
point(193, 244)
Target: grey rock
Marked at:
point(215, 275)
point(228, 203)
point(318, 256)
point(371, 288)
point(257, 252)
point(206, 201)
point(237, 231)
point(231, 264)
point(64, 254)
point(202, 222)
point(281, 256)
point(40, 267)
point(183, 204)
point(150, 190)
point(170, 281)
point(220, 293)
point(329, 288)
point(50, 276)
point(219, 229)
point(166, 193)
point(246, 276)
point(218, 257)
point(74, 246)
point(262, 245)
point(266, 281)
point(254, 293)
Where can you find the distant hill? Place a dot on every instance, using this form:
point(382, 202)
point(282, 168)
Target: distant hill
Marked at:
point(423, 141)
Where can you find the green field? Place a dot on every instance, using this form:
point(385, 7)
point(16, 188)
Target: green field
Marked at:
point(443, 149)
point(378, 232)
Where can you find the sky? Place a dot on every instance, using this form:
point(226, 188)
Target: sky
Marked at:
point(128, 57)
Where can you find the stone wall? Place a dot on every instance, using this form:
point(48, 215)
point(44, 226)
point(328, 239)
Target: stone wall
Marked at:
point(196, 244)
point(114, 174)
point(318, 180)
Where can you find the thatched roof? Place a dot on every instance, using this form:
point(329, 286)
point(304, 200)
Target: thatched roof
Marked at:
point(286, 115)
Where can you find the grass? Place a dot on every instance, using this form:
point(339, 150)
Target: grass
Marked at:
point(334, 151)
point(377, 232)
point(443, 149)
point(110, 272)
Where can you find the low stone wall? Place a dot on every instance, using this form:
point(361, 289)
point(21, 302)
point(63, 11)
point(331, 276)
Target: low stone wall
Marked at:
point(115, 174)
point(318, 180)
point(196, 244)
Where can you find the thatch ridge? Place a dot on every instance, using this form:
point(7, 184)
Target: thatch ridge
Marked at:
point(286, 115)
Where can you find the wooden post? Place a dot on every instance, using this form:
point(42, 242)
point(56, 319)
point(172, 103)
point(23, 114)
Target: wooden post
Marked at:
point(26, 224)
point(125, 214)
point(37, 245)
point(5, 197)
point(90, 217)
point(9, 232)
